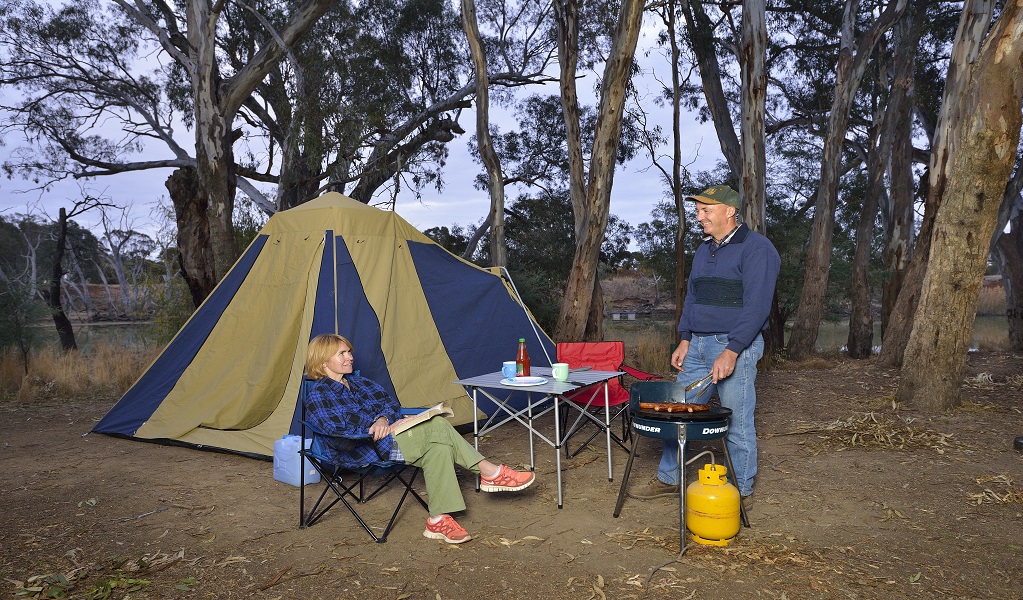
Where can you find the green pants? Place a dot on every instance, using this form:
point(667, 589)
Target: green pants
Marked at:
point(435, 447)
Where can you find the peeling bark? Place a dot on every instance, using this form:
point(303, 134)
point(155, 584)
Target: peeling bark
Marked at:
point(982, 150)
point(491, 162)
point(752, 60)
point(194, 257)
point(592, 220)
point(897, 136)
point(967, 46)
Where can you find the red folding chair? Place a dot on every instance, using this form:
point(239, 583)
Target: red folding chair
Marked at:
point(600, 356)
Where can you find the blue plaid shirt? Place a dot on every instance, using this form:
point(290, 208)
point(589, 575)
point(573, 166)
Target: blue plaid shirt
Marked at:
point(337, 410)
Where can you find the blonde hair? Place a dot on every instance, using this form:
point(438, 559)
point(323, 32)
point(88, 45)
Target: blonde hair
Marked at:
point(320, 349)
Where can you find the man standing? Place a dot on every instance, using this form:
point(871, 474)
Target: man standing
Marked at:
point(728, 302)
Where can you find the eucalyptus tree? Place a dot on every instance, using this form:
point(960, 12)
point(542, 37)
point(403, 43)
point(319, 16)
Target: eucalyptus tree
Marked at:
point(937, 114)
point(854, 53)
point(1007, 252)
point(973, 158)
point(53, 291)
point(189, 35)
point(88, 67)
point(370, 101)
point(860, 340)
point(897, 215)
point(673, 173)
point(581, 312)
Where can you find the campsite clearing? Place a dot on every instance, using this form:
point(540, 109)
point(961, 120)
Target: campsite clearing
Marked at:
point(855, 499)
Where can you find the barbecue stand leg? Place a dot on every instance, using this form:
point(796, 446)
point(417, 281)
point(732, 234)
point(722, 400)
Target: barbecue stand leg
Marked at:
point(625, 477)
point(681, 486)
point(735, 482)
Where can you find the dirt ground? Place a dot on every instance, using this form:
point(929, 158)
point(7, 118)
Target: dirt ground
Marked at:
point(855, 499)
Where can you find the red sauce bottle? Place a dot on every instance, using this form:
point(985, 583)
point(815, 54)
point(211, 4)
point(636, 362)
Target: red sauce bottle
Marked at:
point(522, 360)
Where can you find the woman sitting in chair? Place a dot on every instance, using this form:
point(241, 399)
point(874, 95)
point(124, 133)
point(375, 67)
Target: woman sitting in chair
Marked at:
point(341, 403)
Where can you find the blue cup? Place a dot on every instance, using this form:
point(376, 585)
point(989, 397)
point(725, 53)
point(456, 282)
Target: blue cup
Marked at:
point(508, 369)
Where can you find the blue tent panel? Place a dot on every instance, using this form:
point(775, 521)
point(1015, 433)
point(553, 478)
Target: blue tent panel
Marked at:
point(358, 321)
point(142, 400)
point(479, 322)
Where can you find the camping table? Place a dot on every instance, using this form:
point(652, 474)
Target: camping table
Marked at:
point(537, 398)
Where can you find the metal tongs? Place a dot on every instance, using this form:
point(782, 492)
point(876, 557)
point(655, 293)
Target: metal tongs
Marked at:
point(702, 385)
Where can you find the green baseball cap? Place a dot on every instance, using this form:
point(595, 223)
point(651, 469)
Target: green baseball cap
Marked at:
point(719, 194)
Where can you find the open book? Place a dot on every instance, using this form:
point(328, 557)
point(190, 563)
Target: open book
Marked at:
point(441, 409)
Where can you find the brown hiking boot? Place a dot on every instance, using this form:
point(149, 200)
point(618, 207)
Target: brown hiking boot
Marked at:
point(654, 489)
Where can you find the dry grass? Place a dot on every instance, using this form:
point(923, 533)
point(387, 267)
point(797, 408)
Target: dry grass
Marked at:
point(106, 370)
point(648, 344)
point(1003, 493)
point(872, 431)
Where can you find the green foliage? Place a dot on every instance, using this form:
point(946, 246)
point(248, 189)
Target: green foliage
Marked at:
point(19, 311)
point(248, 221)
point(117, 583)
point(172, 308)
point(542, 293)
point(540, 235)
point(454, 240)
point(656, 240)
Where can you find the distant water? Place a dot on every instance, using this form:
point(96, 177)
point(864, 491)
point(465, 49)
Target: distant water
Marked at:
point(989, 333)
point(130, 335)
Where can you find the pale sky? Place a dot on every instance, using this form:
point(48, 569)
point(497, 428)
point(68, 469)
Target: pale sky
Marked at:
point(634, 195)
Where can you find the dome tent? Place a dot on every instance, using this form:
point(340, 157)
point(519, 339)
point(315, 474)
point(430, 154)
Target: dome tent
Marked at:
point(418, 317)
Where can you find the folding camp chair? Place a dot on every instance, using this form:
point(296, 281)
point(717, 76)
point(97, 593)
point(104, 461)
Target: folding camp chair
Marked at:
point(601, 356)
point(355, 490)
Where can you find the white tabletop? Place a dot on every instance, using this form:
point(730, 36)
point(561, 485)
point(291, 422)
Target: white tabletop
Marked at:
point(576, 380)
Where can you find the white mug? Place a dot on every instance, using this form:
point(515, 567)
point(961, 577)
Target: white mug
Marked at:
point(560, 371)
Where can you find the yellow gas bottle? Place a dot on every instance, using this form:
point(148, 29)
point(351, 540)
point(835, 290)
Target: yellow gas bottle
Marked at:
point(712, 507)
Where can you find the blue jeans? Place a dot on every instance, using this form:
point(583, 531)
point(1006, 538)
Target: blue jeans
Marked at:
point(736, 392)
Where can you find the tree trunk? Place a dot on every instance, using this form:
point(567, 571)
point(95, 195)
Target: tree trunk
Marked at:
point(897, 135)
point(212, 129)
point(491, 162)
point(580, 289)
point(193, 234)
point(595, 320)
point(852, 61)
point(860, 342)
point(701, 33)
point(1010, 247)
point(83, 281)
point(752, 58)
point(567, 16)
point(64, 329)
point(679, 291)
point(982, 145)
point(969, 36)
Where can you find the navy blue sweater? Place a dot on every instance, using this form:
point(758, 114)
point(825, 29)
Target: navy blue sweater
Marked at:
point(730, 289)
